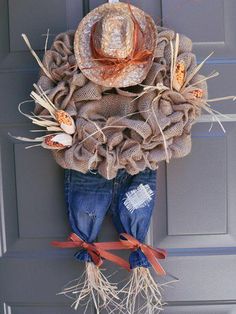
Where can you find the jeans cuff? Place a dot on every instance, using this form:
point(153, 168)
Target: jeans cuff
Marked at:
point(83, 256)
point(138, 259)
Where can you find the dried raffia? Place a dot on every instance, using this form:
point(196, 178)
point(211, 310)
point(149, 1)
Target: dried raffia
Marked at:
point(196, 70)
point(178, 68)
point(46, 41)
point(142, 288)
point(143, 294)
point(36, 57)
point(94, 286)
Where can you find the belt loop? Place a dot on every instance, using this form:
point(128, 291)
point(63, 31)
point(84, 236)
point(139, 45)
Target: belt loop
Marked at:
point(93, 171)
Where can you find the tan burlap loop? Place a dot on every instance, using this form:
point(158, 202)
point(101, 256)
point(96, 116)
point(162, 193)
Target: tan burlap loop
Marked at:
point(124, 128)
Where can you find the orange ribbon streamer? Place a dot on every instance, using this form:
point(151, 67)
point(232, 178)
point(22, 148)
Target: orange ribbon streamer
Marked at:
point(96, 251)
point(113, 66)
point(128, 242)
point(150, 252)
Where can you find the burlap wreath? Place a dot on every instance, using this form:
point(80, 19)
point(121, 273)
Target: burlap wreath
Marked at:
point(129, 128)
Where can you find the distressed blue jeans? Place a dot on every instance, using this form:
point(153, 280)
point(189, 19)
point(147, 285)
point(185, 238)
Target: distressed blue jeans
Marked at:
point(129, 199)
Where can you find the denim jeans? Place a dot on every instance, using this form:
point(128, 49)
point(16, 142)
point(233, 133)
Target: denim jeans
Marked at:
point(129, 199)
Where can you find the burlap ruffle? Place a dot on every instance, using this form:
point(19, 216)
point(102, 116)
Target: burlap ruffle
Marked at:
point(115, 129)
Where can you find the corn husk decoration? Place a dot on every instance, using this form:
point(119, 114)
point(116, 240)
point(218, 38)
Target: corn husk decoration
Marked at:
point(58, 121)
point(51, 141)
point(182, 83)
point(179, 76)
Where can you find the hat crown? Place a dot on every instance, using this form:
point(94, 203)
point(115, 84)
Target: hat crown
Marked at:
point(115, 45)
point(114, 35)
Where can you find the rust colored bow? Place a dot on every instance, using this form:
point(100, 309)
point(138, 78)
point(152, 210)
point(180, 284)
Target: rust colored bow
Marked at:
point(96, 252)
point(150, 252)
point(112, 67)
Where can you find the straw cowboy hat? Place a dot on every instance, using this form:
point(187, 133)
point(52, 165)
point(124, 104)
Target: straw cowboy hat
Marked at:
point(115, 45)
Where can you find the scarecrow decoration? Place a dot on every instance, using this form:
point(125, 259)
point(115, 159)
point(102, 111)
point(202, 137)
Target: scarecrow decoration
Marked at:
point(116, 97)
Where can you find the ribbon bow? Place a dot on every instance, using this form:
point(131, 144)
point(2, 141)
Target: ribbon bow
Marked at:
point(96, 252)
point(150, 252)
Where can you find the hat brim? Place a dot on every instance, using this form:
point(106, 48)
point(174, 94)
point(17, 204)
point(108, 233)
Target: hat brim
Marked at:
point(132, 74)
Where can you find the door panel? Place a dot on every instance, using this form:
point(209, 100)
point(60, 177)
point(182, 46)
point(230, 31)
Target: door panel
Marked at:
point(32, 209)
point(210, 23)
point(195, 214)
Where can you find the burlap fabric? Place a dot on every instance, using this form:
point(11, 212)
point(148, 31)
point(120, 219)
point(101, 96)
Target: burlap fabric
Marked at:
point(115, 129)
